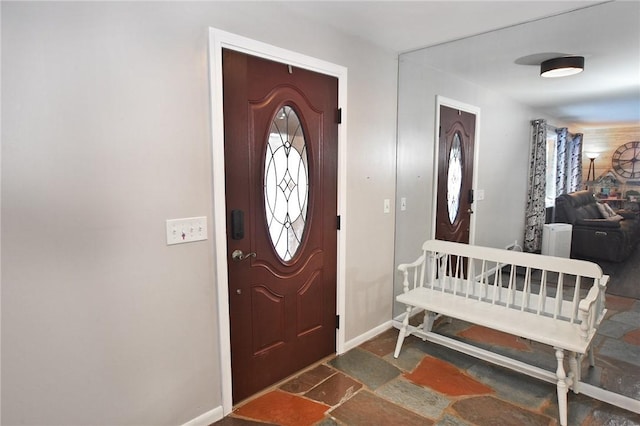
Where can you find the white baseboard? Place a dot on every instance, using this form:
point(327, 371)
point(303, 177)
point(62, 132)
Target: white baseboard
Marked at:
point(207, 418)
point(366, 336)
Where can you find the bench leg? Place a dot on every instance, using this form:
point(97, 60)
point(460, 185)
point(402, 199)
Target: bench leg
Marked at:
point(429, 318)
point(403, 332)
point(574, 375)
point(562, 387)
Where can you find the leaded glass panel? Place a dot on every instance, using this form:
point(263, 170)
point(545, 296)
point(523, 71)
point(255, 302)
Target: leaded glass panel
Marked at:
point(454, 178)
point(286, 183)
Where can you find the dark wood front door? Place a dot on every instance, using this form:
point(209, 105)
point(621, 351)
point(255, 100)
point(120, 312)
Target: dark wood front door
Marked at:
point(281, 156)
point(455, 175)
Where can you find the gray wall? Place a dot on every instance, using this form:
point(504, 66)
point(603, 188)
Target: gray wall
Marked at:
point(105, 113)
point(502, 159)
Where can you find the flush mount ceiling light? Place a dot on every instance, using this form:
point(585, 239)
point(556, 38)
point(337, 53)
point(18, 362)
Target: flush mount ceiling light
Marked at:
point(562, 67)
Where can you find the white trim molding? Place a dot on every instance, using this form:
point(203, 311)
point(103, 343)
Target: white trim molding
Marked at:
point(357, 341)
point(207, 418)
point(218, 40)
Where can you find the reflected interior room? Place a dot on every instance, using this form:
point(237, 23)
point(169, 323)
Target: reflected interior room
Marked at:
point(584, 155)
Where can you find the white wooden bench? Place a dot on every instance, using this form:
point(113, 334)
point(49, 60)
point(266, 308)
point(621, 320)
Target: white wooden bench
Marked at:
point(550, 300)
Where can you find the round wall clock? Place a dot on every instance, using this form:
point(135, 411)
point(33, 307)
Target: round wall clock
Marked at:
point(626, 160)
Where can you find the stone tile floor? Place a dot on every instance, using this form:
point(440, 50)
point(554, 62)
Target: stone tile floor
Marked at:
point(432, 385)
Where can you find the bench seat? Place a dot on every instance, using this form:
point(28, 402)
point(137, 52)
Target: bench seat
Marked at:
point(542, 329)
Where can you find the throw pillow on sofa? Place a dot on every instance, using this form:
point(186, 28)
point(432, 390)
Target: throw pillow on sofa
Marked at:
point(605, 210)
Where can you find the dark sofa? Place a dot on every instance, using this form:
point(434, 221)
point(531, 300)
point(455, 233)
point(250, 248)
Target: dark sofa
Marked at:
point(593, 236)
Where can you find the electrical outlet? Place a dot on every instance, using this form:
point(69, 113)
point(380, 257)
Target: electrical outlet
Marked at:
point(186, 230)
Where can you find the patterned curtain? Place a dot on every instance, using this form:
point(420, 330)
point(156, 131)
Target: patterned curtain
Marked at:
point(561, 161)
point(575, 163)
point(535, 213)
point(568, 161)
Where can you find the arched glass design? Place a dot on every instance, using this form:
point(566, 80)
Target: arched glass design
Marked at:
point(286, 183)
point(454, 178)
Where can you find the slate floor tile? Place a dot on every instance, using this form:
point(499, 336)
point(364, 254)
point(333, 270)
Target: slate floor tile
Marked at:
point(621, 351)
point(408, 359)
point(617, 303)
point(511, 386)
point(614, 329)
point(493, 337)
point(416, 398)
point(456, 358)
point(624, 379)
point(445, 378)
point(610, 415)
point(487, 410)
point(449, 420)
point(382, 344)
point(327, 421)
point(305, 381)
point(336, 389)
point(283, 409)
point(629, 317)
point(367, 409)
point(632, 337)
point(365, 367)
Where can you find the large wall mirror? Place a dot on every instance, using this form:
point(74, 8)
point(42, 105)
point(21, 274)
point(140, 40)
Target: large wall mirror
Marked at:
point(486, 72)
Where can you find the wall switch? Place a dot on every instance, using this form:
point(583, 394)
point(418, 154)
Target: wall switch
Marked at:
point(479, 194)
point(387, 205)
point(186, 230)
point(403, 203)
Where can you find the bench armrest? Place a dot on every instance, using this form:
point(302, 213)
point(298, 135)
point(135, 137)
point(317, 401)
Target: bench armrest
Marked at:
point(417, 266)
point(591, 308)
point(403, 267)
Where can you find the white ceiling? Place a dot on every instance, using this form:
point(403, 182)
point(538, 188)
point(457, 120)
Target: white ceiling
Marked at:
point(506, 60)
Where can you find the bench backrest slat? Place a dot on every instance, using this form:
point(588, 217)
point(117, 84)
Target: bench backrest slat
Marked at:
point(559, 293)
point(576, 299)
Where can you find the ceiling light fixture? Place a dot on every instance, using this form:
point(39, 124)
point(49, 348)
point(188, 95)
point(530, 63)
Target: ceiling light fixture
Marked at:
point(562, 67)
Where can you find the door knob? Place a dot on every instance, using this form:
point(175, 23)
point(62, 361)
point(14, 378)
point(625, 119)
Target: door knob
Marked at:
point(238, 255)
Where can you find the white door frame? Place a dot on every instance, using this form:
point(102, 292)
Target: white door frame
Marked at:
point(441, 100)
point(217, 41)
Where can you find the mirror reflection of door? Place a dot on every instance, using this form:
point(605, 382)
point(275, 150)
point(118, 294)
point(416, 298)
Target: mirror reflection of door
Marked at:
point(455, 175)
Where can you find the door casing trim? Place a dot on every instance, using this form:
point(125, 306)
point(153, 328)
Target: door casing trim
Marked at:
point(218, 40)
point(443, 101)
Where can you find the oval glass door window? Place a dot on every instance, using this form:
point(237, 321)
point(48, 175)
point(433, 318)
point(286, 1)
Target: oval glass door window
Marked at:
point(454, 178)
point(286, 183)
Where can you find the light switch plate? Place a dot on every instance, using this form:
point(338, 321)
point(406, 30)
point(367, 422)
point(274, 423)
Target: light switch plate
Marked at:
point(387, 205)
point(186, 230)
point(479, 194)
